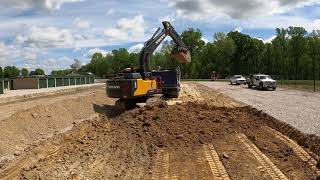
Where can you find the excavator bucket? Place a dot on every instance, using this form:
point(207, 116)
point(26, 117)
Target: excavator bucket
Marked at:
point(182, 57)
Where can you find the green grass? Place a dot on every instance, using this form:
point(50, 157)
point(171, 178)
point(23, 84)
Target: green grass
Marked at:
point(300, 84)
point(196, 80)
point(291, 84)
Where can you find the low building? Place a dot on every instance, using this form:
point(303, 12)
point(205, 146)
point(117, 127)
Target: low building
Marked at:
point(25, 83)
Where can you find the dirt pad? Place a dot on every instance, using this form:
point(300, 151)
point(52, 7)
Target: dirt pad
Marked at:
point(190, 140)
point(128, 145)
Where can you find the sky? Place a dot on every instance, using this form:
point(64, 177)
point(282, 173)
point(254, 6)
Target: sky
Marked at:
point(50, 34)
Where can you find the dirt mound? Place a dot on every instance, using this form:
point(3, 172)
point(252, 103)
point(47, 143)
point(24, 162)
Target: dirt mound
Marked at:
point(126, 146)
point(37, 123)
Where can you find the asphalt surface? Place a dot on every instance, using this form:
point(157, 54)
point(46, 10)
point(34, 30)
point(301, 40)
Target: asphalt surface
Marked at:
point(298, 108)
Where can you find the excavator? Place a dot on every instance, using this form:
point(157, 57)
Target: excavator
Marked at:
point(132, 86)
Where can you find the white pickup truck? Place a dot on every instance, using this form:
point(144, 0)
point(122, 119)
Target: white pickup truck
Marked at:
point(261, 81)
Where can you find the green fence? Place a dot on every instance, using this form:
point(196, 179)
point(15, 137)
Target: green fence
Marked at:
point(72, 81)
point(43, 83)
point(51, 82)
point(48, 82)
point(87, 80)
point(66, 82)
point(83, 80)
point(1, 87)
point(6, 84)
point(59, 82)
point(78, 81)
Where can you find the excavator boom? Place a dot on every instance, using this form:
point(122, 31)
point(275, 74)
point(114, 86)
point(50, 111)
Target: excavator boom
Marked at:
point(182, 55)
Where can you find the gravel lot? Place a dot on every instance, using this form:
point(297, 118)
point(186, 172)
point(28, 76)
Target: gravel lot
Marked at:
point(298, 108)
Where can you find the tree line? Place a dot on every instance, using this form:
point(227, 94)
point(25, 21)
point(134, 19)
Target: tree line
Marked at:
point(292, 54)
point(13, 72)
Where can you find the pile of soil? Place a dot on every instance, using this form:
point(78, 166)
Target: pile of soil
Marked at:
point(125, 146)
point(29, 126)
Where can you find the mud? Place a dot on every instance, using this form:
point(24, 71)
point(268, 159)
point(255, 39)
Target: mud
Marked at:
point(196, 139)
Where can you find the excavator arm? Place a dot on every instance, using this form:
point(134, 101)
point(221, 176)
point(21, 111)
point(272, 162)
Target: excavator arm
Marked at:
point(183, 55)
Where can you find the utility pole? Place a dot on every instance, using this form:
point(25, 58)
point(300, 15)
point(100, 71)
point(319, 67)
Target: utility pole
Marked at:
point(314, 70)
point(282, 59)
point(268, 51)
point(314, 76)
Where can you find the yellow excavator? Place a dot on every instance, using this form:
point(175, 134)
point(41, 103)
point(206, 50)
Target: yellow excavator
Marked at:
point(132, 86)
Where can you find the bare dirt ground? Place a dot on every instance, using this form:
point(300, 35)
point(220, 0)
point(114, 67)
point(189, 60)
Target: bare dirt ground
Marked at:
point(17, 101)
point(204, 136)
point(27, 120)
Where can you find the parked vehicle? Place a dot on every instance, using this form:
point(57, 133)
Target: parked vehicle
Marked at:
point(237, 79)
point(261, 81)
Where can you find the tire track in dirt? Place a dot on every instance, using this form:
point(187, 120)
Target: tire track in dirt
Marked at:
point(38, 154)
point(191, 90)
point(161, 167)
point(188, 93)
point(299, 151)
point(217, 168)
point(203, 163)
point(12, 172)
point(272, 170)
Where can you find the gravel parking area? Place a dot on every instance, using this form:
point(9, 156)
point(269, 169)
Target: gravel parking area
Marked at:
point(298, 108)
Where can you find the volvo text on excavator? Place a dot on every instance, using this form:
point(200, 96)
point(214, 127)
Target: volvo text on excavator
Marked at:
point(133, 86)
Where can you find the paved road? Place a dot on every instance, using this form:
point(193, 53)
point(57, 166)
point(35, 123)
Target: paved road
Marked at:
point(298, 108)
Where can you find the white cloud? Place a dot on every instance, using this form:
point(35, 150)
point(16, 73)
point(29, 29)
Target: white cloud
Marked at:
point(10, 54)
point(205, 40)
point(239, 9)
point(57, 62)
point(270, 39)
point(115, 34)
point(81, 23)
point(110, 12)
point(96, 50)
point(273, 22)
point(47, 37)
point(35, 4)
point(49, 64)
point(136, 48)
point(127, 29)
point(261, 39)
point(4, 50)
point(237, 29)
point(29, 54)
point(167, 18)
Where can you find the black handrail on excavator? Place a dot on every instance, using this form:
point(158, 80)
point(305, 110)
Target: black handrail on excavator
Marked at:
point(151, 45)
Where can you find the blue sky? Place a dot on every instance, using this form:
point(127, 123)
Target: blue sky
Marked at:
point(49, 34)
